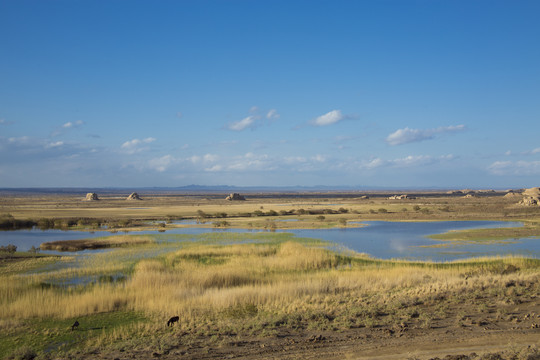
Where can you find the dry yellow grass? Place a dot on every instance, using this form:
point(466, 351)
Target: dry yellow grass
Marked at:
point(205, 280)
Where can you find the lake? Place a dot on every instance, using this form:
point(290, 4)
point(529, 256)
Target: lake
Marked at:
point(380, 239)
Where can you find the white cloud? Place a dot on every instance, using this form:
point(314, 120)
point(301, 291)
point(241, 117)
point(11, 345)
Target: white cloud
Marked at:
point(254, 109)
point(243, 124)
point(70, 124)
point(523, 153)
point(406, 135)
point(272, 115)
point(374, 163)
point(136, 145)
point(319, 158)
point(515, 168)
point(405, 162)
point(196, 159)
point(292, 160)
point(214, 168)
point(54, 144)
point(410, 160)
point(329, 118)
point(19, 140)
point(161, 164)
point(210, 158)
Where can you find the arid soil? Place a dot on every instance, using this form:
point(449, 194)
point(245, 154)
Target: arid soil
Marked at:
point(502, 331)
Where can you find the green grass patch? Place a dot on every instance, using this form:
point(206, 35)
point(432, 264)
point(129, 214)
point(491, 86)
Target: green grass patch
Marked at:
point(495, 234)
point(43, 336)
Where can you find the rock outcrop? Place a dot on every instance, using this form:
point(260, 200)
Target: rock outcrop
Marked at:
point(91, 197)
point(535, 192)
point(134, 196)
point(531, 197)
point(235, 197)
point(401, 197)
point(530, 201)
point(511, 194)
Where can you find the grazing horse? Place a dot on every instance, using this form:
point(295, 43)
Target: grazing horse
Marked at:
point(173, 320)
point(75, 325)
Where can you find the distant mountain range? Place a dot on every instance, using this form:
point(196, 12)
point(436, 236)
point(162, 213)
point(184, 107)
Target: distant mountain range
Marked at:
point(218, 189)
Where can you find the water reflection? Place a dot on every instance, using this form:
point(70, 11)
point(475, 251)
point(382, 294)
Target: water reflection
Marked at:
point(380, 239)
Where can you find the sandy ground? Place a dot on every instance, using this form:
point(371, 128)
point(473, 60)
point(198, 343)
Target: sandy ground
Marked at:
point(453, 336)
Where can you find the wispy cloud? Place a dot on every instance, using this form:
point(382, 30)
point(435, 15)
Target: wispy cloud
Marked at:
point(254, 120)
point(161, 164)
point(5, 122)
point(245, 123)
point(406, 135)
point(21, 140)
point(519, 168)
point(409, 161)
point(207, 158)
point(215, 168)
point(54, 144)
point(25, 149)
point(272, 115)
point(329, 118)
point(70, 124)
point(136, 145)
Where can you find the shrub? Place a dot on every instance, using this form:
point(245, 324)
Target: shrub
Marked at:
point(416, 207)
point(9, 248)
point(270, 225)
point(321, 217)
point(222, 223)
point(383, 210)
point(34, 250)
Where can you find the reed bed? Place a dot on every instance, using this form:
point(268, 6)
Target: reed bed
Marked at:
point(97, 243)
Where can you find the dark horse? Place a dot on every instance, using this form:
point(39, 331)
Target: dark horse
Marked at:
point(75, 325)
point(173, 320)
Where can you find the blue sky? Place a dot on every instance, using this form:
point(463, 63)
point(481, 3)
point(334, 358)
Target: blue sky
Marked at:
point(270, 93)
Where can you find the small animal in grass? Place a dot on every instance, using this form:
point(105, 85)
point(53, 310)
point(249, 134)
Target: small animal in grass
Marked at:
point(75, 325)
point(173, 320)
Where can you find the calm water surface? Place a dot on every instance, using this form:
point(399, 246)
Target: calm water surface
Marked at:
point(380, 239)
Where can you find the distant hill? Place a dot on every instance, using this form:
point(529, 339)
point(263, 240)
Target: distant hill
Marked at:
point(209, 189)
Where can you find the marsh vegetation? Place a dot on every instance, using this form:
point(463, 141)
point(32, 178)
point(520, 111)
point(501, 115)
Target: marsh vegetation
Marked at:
point(232, 286)
point(265, 293)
